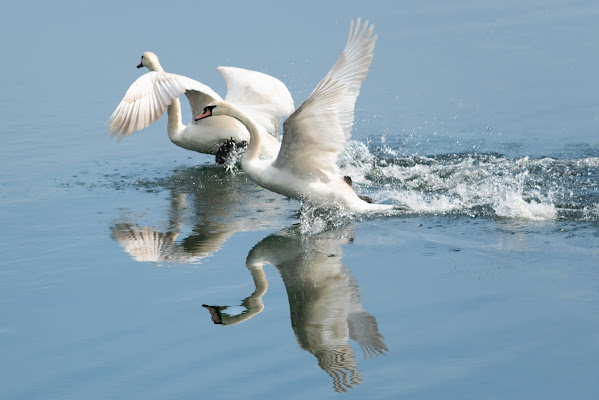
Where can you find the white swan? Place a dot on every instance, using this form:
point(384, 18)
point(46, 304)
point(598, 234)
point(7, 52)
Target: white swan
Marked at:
point(314, 135)
point(264, 98)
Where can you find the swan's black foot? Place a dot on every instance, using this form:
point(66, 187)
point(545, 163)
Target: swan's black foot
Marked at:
point(349, 181)
point(229, 146)
point(366, 198)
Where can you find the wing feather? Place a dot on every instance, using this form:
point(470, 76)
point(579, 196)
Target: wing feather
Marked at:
point(317, 131)
point(264, 98)
point(149, 97)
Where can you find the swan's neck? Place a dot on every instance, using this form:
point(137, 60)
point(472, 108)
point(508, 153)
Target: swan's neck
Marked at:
point(155, 66)
point(175, 124)
point(253, 149)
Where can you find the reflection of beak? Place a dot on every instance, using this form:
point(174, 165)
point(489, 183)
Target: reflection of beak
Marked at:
point(205, 114)
point(214, 313)
point(139, 65)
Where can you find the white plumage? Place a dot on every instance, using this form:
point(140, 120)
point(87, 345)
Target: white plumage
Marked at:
point(263, 97)
point(149, 97)
point(314, 135)
point(317, 132)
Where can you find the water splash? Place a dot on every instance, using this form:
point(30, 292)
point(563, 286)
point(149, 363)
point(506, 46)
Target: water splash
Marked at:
point(563, 186)
point(473, 184)
point(313, 220)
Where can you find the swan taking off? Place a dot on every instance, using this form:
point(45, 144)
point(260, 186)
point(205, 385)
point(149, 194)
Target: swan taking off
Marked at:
point(264, 98)
point(306, 165)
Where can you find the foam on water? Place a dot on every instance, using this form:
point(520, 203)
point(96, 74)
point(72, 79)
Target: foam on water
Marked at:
point(513, 205)
point(488, 185)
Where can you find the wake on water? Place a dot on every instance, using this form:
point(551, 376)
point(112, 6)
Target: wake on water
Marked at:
point(488, 185)
point(473, 184)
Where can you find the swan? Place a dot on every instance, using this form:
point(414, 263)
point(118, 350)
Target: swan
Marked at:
point(313, 136)
point(263, 97)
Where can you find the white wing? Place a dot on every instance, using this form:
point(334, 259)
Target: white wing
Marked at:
point(316, 133)
point(264, 98)
point(150, 95)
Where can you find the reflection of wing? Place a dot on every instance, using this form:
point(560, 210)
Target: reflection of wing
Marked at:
point(363, 327)
point(321, 323)
point(146, 244)
point(339, 362)
point(324, 299)
point(213, 202)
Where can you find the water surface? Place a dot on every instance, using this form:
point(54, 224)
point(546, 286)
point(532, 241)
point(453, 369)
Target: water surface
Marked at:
point(140, 270)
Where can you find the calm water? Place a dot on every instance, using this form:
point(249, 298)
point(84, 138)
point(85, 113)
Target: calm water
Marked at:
point(480, 119)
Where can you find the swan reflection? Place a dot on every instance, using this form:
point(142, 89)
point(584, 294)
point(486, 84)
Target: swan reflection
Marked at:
point(324, 300)
point(212, 202)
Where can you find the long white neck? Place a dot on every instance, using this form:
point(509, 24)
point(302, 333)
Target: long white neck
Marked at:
point(253, 149)
point(175, 122)
point(154, 65)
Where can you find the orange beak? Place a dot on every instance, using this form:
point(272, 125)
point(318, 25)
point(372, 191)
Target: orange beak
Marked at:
point(205, 114)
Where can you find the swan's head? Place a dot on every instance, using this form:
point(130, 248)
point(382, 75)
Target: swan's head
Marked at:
point(214, 108)
point(150, 61)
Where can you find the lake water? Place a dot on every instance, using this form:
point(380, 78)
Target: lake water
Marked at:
point(141, 270)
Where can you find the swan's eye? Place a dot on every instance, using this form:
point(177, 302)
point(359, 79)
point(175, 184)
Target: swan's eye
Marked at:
point(207, 112)
point(142, 57)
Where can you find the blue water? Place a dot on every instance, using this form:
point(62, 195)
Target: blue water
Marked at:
point(479, 119)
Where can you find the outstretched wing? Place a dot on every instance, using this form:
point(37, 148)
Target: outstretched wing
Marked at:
point(317, 131)
point(264, 98)
point(150, 95)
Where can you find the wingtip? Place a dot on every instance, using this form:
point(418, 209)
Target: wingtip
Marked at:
point(359, 31)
